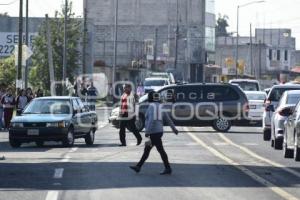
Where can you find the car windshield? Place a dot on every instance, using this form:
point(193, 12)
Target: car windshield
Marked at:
point(293, 99)
point(48, 106)
point(256, 96)
point(247, 86)
point(276, 93)
point(155, 82)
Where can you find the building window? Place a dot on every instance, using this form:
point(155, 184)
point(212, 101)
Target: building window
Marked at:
point(270, 54)
point(210, 42)
point(278, 55)
point(286, 53)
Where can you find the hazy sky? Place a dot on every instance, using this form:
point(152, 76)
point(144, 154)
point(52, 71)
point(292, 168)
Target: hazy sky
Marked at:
point(271, 14)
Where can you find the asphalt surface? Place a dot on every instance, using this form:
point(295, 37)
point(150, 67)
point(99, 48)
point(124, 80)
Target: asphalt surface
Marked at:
point(206, 165)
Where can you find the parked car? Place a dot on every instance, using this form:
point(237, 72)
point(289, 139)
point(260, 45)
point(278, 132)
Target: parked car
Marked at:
point(195, 104)
point(285, 106)
point(54, 119)
point(291, 134)
point(256, 106)
point(246, 84)
point(154, 84)
point(271, 104)
point(165, 75)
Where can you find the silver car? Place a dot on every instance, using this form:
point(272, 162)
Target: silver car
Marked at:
point(271, 104)
point(285, 107)
point(256, 105)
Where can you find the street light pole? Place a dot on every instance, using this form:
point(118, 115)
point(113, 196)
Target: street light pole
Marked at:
point(65, 48)
point(20, 44)
point(115, 41)
point(237, 31)
point(237, 44)
point(27, 44)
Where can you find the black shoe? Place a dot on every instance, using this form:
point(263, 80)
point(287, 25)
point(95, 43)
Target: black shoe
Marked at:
point(135, 168)
point(166, 172)
point(139, 142)
point(122, 145)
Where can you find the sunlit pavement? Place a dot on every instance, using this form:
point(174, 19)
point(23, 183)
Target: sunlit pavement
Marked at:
point(206, 165)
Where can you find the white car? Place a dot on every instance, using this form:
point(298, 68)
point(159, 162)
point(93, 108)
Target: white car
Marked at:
point(256, 105)
point(285, 107)
point(246, 84)
point(271, 104)
point(154, 84)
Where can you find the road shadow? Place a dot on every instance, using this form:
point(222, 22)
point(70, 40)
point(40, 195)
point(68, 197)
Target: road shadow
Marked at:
point(114, 175)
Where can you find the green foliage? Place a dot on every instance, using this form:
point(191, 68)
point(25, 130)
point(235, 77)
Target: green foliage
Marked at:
point(221, 27)
point(8, 71)
point(39, 74)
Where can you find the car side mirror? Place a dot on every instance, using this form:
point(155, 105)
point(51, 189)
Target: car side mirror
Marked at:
point(270, 108)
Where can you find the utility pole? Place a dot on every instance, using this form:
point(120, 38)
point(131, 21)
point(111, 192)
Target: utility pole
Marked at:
point(27, 44)
point(65, 48)
point(176, 35)
point(155, 49)
point(115, 41)
point(237, 43)
point(253, 71)
point(260, 61)
point(85, 30)
point(20, 44)
point(50, 54)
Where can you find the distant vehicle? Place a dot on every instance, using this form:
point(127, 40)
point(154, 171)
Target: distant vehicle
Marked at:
point(271, 104)
point(154, 84)
point(285, 107)
point(229, 101)
point(256, 106)
point(54, 119)
point(291, 135)
point(246, 84)
point(166, 75)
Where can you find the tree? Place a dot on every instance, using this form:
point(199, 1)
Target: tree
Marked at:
point(39, 74)
point(221, 27)
point(8, 71)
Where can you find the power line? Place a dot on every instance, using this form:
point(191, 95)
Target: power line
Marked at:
point(7, 4)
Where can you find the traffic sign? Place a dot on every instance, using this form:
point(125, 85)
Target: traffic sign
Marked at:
point(26, 54)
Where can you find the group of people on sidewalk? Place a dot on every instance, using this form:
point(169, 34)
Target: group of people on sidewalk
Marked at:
point(154, 122)
point(9, 103)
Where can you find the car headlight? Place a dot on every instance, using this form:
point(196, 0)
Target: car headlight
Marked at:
point(17, 125)
point(61, 124)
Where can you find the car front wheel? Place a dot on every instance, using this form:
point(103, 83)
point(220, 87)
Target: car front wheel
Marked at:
point(296, 150)
point(278, 143)
point(267, 135)
point(222, 125)
point(90, 138)
point(288, 153)
point(68, 141)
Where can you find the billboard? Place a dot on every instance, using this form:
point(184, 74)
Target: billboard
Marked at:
point(8, 41)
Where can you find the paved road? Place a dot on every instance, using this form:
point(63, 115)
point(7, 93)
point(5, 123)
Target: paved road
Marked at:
point(207, 165)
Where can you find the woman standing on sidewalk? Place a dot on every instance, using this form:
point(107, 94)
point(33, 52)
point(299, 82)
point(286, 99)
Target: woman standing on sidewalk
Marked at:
point(154, 130)
point(8, 102)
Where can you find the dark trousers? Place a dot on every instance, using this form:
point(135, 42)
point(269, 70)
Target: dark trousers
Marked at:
point(157, 142)
point(129, 124)
point(7, 115)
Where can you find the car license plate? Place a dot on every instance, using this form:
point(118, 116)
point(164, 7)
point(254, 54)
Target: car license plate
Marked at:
point(33, 132)
point(252, 106)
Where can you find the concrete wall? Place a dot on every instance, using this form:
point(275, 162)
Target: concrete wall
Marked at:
point(137, 22)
